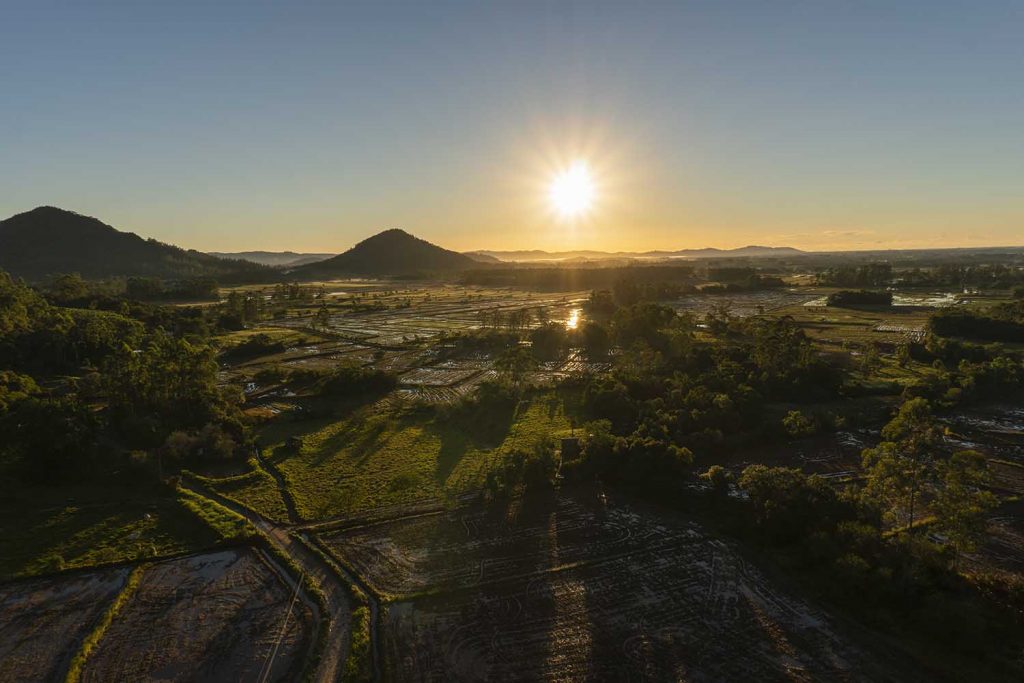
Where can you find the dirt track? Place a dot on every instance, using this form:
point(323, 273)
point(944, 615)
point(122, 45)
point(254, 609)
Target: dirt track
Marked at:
point(339, 605)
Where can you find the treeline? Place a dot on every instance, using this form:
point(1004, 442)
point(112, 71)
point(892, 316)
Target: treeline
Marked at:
point(574, 278)
point(981, 276)
point(947, 275)
point(999, 323)
point(865, 275)
point(86, 392)
point(869, 544)
point(71, 289)
point(672, 394)
point(860, 297)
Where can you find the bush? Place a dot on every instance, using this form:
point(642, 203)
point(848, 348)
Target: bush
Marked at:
point(797, 424)
point(346, 381)
point(253, 347)
point(719, 478)
point(860, 297)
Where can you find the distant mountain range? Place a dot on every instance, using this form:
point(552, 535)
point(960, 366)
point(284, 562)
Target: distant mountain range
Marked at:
point(708, 252)
point(276, 259)
point(49, 241)
point(392, 252)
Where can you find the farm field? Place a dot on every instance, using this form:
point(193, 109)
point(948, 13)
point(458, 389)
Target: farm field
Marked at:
point(567, 588)
point(381, 456)
point(43, 621)
point(553, 587)
point(473, 342)
point(207, 617)
point(395, 328)
point(79, 526)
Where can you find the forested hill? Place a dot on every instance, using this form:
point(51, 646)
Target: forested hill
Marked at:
point(47, 241)
point(392, 252)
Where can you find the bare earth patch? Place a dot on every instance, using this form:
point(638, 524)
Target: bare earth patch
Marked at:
point(43, 622)
point(571, 591)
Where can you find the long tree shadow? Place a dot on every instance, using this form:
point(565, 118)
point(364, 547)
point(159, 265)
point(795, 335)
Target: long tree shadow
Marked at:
point(484, 428)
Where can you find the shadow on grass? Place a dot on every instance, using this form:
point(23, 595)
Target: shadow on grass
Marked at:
point(484, 428)
point(56, 538)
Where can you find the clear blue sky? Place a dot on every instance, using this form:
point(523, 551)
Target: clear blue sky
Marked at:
point(308, 126)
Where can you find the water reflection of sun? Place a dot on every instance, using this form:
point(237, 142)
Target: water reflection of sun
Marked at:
point(574, 319)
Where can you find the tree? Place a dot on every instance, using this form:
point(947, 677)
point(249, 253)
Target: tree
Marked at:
point(903, 464)
point(600, 305)
point(548, 341)
point(53, 439)
point(322, 319)
point(797, 424)
point(168, 384)
point(719, 478)
point(961, 504)
point(15, 388)
point(515, 362)
point(788, 504)
point(595, 340)
point(69, 287)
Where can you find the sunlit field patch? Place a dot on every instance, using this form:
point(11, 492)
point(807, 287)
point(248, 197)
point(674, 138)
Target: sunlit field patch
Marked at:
point(373, 458)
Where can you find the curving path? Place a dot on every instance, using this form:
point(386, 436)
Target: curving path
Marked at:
point(282, 485)
point(339, 607)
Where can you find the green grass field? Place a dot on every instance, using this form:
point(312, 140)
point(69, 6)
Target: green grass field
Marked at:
point(373, 458)
point(256, 490)
point(59, 528)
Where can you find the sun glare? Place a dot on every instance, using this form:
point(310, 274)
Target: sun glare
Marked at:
point(572, 191)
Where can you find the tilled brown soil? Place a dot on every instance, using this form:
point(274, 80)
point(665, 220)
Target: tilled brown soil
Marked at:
point(43, 622)
point(573, 591)
point(212, 617)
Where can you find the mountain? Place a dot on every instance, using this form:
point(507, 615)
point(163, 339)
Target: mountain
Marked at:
point(481, 257)
point(707, 252)
point(275, 259)
point(752, 250)
point(48, 241)
point(392, 252)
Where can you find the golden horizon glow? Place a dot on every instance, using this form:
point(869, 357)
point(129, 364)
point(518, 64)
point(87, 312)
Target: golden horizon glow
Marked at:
point(572, 192)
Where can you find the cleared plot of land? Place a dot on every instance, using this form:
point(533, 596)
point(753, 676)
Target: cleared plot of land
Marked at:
point(463, 549)
point(377, 456)
point(437, 377)
point(569, 590)
point(397, 317)
point(43, 622)
point(997, 430)
point(837, 326)
point(212, 617)
point(744, 304)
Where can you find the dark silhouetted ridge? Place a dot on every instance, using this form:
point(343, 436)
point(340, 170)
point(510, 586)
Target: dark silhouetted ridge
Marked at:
point(392, 252)
point(47, 241)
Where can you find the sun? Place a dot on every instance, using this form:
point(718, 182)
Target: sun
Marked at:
point(572, 191)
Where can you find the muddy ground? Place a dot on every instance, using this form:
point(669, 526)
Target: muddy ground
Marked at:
point(576, 590)
point(210, 617)
point(43, 622)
